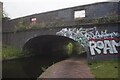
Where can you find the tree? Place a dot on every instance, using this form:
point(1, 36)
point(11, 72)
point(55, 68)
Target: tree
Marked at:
point(5, 16)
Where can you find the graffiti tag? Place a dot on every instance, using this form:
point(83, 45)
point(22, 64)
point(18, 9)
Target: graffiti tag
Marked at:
point(94, 39)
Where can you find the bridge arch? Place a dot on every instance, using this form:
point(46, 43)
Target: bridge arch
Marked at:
point(54, 45)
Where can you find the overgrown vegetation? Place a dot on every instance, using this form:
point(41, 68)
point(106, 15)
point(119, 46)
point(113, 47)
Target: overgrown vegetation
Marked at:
point(74, 49)
point(105, 69)
point(22, 25)
point(4, 16)
point(10, 52)
point(110, 18)
point(69, 48)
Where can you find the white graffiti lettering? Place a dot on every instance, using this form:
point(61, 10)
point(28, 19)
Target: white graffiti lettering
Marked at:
point(86, 37)
point(107, 46)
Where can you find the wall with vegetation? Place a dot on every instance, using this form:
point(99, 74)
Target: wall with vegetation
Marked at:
point(104, 11)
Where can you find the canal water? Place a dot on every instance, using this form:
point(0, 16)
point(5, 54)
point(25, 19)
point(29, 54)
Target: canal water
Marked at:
point(30, 67)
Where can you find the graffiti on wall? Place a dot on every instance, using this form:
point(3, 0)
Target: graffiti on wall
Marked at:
point(98, 41)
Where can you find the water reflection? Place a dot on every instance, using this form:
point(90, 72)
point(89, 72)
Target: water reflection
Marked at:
point(30, 67)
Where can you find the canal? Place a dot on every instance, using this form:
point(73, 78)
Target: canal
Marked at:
point(30, 67)
point(47, 51)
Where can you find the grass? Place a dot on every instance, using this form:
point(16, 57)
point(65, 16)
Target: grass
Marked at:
point(104, 69)
point(9, 52)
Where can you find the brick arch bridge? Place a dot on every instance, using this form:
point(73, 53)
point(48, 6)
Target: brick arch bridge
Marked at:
point(102, 40)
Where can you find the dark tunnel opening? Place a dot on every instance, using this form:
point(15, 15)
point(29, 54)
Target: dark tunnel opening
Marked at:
point(49, 45)
point(45, 51)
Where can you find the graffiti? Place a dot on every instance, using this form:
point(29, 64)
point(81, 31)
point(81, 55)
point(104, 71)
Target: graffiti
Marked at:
point(81, 35)
point(98, 41)
point(107, 46)
point(101, 34)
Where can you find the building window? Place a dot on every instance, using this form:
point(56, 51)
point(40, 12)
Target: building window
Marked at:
point(79, 14)
point(33, 20)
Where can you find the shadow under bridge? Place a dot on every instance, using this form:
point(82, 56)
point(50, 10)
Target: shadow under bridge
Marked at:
point(52, 45)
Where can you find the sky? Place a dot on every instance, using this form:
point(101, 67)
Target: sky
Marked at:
point(20, 8)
